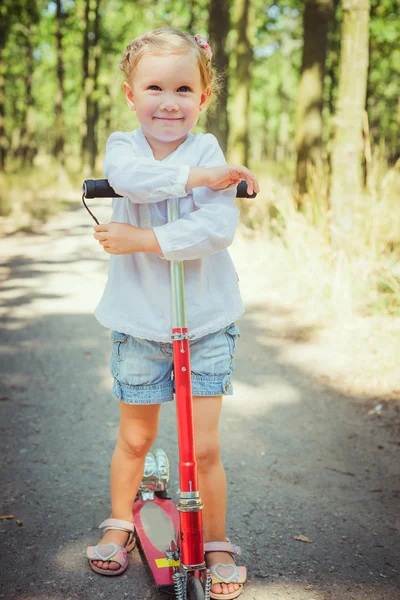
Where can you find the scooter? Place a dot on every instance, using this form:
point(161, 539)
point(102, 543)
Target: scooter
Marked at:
point(170, 536)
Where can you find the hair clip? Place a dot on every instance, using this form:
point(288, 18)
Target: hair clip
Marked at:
point(204, 44)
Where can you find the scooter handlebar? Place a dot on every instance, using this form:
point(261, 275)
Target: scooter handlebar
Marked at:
point(100, 188)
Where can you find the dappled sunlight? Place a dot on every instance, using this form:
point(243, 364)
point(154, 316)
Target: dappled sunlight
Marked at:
point(277, 392)
point(261, 591)
point(71, 556)
point(297, 456)
point(360, 359)
point(54, 273)
point(355, 355)
point(284, 589)
point(310, 438)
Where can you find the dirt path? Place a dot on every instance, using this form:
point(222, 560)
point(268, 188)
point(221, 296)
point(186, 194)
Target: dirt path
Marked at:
point(301, 458)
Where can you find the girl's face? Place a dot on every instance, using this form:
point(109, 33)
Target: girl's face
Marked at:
point(167, 96)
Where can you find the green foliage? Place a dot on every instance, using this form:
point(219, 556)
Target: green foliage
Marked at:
point(277, 51)
point(277, 39)
point(276, 33)
point(384, 76)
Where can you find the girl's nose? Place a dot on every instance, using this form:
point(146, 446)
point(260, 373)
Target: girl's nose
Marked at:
point(169, 103)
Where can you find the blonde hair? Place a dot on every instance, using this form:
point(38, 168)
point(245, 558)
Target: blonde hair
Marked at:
point(173, 41)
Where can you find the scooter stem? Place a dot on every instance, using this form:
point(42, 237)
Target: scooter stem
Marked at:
point(190, 507)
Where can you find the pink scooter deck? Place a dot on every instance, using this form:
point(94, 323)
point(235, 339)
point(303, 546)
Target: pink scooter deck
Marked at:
point(157, 523)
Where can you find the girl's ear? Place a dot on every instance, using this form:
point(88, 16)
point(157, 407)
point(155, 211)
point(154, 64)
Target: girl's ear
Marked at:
point(204, 98)
point(129, 96)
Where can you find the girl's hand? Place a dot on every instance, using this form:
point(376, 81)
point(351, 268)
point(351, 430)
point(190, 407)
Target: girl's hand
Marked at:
point(122, 238)
point(117, 238)
point(220, 178)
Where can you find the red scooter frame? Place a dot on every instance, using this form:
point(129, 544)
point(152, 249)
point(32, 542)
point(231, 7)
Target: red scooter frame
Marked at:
point(177, 560)
point(171, 537)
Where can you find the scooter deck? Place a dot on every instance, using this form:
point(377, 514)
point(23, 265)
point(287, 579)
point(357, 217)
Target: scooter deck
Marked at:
point(157, 524)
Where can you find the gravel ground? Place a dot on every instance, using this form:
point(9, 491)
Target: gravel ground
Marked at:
point(302, 460)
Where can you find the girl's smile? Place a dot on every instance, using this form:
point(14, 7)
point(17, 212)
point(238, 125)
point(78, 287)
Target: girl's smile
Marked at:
point(167, 95)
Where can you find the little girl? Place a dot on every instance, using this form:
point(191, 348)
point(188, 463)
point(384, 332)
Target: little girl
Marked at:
point(169, 81)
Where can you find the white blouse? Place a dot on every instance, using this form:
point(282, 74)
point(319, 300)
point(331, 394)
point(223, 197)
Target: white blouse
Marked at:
point(137, 298)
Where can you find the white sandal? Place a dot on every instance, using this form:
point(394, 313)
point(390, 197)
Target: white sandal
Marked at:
point(222, 573)
point(113, 552)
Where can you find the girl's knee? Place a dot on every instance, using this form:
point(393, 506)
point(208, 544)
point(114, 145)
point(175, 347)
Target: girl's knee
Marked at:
point(138, 429)
point(207, 453)
point(137, 446)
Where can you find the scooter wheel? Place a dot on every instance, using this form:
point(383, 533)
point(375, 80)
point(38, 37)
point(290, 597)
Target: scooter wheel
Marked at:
point(194, 588)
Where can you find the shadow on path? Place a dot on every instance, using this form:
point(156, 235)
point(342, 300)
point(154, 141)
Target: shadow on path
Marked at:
point(298, 463)
point(301, 460)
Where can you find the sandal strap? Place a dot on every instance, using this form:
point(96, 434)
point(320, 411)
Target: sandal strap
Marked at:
point(236, 574)
point(107, 552)
point(118, 524)
point(222, 547)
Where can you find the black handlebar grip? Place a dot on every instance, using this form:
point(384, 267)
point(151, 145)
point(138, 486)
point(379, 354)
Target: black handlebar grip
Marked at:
point(241, 191)
point(100, 188)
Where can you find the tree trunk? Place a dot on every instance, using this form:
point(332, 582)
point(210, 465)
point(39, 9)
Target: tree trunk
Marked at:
point(85, 89)
point(218, 28)
point(282, 134)
point(334, 50)
point(27, 148)
point(91, 63)
point(9, 11)
point(316, 18)
point(94, 96)
point(192, 18)
point(240, 109)
point(3, 135)
point(346, 182)
point(59, 141)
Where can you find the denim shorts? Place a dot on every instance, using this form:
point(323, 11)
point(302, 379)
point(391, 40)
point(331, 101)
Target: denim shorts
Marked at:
point(143, 369)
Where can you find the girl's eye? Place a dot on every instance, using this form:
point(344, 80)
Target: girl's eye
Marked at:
point(154, 87)
point(184, 88)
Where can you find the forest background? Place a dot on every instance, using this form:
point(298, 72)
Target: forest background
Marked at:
point(310, 102)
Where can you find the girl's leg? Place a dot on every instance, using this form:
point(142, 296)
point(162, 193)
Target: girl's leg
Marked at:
point(137, 432)
point(212, 480)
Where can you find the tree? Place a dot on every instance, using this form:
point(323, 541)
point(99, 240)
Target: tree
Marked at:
point(276, 64)
point(26, 34)
point(59, 141)
point(240, 107)
point(316, 18)
point(9, 10)
point(218, 28)
point(383, 89)
point(90, 68)
point(346, 182)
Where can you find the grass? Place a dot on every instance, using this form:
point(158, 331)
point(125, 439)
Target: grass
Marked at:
point(347, 303)
point(29, 198)
point(347, 300)
point(364, 278)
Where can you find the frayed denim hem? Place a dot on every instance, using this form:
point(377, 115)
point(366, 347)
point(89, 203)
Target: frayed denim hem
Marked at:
point(212, 385)
point(202, 385)
point(142, 394)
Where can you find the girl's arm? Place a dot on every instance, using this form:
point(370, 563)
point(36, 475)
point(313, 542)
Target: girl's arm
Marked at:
point(141, 180)
point(212, 226)
point(206, 230)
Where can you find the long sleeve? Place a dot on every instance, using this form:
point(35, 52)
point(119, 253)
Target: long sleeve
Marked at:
point(137, 298)
point(211, 226)
point(141, 180)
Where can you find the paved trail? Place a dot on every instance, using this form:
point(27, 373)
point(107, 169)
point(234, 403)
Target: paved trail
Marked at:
point(301, 459)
